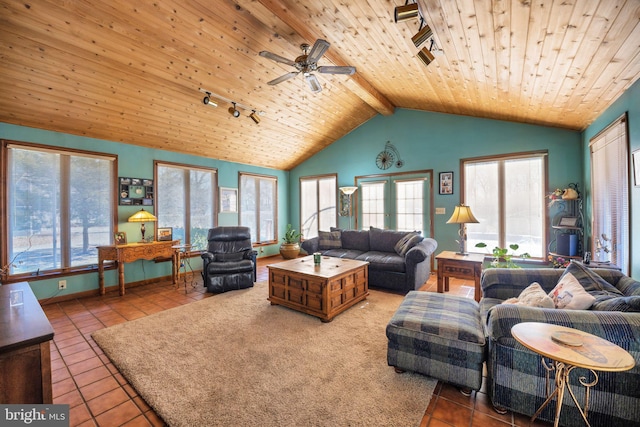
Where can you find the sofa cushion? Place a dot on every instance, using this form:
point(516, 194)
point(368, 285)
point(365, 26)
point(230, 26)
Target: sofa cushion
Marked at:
point(342, 253)
point(569, 294)
point(384, 240)
point(386, 261)
point(356, 239)
point(591, 281)
point(407, 242)
point(329, 240)
point(626, 304)
point(533, 296)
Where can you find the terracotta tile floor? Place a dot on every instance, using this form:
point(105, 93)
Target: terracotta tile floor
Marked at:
point(98, 394)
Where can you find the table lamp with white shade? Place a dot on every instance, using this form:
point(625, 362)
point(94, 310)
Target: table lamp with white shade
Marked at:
point(462, 215)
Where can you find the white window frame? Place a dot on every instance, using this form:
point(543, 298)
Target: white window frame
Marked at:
point(258, 179)
point(309, 227)
point(610, 193)
point(501, 227)
point(63, 215)
point(186, 200)
point(371, 215)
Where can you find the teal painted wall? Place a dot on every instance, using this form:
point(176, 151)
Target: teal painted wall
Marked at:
point(436, 141)
point(137, 162)
point(629, 102)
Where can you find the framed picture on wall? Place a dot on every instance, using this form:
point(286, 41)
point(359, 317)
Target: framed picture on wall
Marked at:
point(228, 199)
point(446, 182)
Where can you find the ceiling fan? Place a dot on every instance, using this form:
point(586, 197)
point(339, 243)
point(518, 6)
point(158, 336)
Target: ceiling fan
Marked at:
point(307, 63)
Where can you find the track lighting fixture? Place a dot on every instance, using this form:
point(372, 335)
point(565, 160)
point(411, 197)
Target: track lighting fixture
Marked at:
point(213, 99)
point(406, 12)
point(233, 111)
point(423, 34)
point(426, 56)
point(208, 101)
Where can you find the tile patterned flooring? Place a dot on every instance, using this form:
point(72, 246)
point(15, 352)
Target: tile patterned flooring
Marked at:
point(98, 395)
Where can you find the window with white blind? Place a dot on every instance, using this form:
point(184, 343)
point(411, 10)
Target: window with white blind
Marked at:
point(610, 194)
point(186, 202)
point(258, 206)
point(60, 207)
point(373, 204)
point(507, 196)
point(318, 198)
point(410, 205)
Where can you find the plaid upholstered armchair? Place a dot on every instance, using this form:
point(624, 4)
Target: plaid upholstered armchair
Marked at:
point(515, 375)
point(230, 261)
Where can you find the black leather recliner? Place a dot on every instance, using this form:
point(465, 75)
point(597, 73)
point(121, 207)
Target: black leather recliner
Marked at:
point(230, 261)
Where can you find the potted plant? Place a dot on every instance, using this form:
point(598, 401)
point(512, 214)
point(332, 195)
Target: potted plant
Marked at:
point(290, 248)
point(502, 258)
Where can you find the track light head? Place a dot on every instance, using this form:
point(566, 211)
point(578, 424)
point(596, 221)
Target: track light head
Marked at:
point(253, 116)
point(423, 35)
point(233, 111)
point(406, 12)
point(208, 101)
point(426, 56)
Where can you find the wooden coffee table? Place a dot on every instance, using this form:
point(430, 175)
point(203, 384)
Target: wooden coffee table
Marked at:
point(569, 348)
point(323, 291)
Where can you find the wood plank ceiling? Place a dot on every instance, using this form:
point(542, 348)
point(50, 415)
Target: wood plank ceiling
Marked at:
point(131, 71)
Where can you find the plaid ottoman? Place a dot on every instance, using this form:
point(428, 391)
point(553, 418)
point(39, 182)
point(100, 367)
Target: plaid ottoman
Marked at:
point(440, 336)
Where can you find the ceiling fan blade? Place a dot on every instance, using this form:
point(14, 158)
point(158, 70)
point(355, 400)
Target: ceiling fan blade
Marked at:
point(313, 82)
point(283, 78)
point(337, 70)
point(277, 58)
point(318, 49)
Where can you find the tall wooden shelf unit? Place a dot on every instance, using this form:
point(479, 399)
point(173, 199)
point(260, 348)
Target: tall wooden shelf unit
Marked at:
point(567, 221)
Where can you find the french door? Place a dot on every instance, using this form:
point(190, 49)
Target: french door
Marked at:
point(396, 202)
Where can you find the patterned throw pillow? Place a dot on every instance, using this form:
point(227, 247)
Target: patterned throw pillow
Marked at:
point(329, 240)
point(406, 243)
point(569, 294)
point(532, 296)
point(590, 281)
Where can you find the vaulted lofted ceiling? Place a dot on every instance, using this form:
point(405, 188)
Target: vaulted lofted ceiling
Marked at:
point(131, 72)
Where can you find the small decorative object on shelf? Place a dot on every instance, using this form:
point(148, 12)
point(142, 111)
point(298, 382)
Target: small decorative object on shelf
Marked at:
point(602, 248)
point(558, 261)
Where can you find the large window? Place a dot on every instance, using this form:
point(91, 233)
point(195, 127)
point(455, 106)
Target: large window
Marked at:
point(507, 196)
point(59, 206)
point(610, 195)
point(373, 204)
point(317, 204)
point(258, 206)
point(410, 205)
point(186, 202)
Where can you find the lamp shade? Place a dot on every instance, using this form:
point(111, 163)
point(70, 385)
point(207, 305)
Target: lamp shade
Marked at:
point(348, 190)
point(142, 216)
point(462, 215)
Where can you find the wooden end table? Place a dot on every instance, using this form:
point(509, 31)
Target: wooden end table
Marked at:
point(569, 348)
point(451, 264)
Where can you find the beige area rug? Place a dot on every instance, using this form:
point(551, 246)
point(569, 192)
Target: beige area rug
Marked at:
point(236, 360)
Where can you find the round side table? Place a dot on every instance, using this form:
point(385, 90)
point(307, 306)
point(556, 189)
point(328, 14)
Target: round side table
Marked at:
point(569, 348)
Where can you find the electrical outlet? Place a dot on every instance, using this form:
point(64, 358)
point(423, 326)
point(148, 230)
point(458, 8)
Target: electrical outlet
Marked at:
point(62, 284)
point(261, 250)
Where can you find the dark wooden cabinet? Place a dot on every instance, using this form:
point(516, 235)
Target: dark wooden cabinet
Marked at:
point(25, 352)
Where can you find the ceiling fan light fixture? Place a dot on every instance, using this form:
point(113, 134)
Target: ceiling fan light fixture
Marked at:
point(422, 36)
point(426, 56)
point(253, 116)
point(406, 12)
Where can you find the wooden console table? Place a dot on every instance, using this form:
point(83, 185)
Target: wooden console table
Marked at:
point(25, 354)
point(134, 252)
point(451, 264)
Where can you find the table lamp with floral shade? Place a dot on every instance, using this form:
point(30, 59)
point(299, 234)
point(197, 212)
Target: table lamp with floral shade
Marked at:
point(142, 216)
